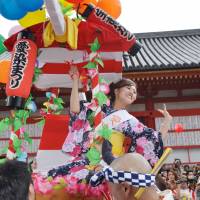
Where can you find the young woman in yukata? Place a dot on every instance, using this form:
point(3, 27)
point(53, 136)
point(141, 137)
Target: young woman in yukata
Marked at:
point(143, 140)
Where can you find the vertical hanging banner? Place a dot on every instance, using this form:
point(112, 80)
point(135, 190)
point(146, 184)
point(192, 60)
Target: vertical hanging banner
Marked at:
point(22, 68)
point(118, 33)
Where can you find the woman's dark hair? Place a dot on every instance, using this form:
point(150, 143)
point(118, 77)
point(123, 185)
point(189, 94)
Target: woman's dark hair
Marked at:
point(121, 83)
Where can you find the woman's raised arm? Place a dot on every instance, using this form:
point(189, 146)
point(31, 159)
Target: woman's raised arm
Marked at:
point(74, 98)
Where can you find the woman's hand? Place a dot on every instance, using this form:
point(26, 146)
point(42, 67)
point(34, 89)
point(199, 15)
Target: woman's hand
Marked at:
point(165, 113)
point(73, 72)
point(74, 99)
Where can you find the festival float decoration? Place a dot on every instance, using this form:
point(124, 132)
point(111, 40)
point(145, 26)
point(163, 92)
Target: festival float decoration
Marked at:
point(32, 18)
point(59, 43)
point(21, 70)
point(15, 124)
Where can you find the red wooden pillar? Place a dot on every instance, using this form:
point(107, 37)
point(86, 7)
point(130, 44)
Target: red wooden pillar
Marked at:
point(150, 108)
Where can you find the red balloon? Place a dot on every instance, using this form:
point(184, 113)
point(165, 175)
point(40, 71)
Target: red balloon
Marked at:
point(113, 8)
point(178, 128)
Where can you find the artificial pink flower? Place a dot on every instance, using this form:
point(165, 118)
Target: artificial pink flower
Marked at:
point(92, 72)
point(42, 185)
point(104, 88)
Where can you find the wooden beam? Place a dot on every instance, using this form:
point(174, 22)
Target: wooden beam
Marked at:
point(181, 112)
point(169, 99)
point(163, 74)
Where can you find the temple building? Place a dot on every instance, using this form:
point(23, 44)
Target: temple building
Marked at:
point(166, 70)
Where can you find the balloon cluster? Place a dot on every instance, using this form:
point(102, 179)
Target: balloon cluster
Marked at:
point(16, 9)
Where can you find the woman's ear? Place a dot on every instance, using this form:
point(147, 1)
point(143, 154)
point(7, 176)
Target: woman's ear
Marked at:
point(116, 91)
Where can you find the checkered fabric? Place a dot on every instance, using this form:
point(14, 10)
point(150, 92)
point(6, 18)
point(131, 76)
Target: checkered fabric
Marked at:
point(132, 178)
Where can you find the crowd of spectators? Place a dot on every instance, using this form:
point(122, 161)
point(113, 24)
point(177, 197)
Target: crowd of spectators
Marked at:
point(182, 179)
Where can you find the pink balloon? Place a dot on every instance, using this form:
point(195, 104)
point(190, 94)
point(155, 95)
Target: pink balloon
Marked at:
point(14, 29)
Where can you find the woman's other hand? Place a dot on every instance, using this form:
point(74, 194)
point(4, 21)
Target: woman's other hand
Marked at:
point(165, 113)
point(164, 128)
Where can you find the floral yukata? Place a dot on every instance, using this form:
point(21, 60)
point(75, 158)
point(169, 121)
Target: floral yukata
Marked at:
point(144, 140)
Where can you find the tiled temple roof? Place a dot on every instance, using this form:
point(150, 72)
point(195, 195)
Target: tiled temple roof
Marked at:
point(165, 51)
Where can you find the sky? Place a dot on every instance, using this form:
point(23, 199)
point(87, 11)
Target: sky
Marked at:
point(147, 16)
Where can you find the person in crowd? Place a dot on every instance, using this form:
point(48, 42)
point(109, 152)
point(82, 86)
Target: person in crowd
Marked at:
point(197, 190)
point(186, 168)
point(192, 188)
point(183, 191)
point(187, 180)
point(190, 176)
point(172, 176)
point(171, 180)
point(178, 167)
point(164, 175)
point(15, 181)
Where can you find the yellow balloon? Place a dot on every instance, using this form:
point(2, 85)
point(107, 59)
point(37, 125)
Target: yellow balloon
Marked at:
point(32, 18)
point(65, 3)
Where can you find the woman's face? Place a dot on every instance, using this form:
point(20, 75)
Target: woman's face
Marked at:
point(126, 95)
point(171, 176)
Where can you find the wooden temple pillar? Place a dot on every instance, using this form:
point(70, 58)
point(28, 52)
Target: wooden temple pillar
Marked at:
point(149, 104)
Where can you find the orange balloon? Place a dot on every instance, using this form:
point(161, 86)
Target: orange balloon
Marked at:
point(4, 71)
point(113, 8)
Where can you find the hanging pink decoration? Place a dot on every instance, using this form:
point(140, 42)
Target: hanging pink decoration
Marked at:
point(104, 88)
